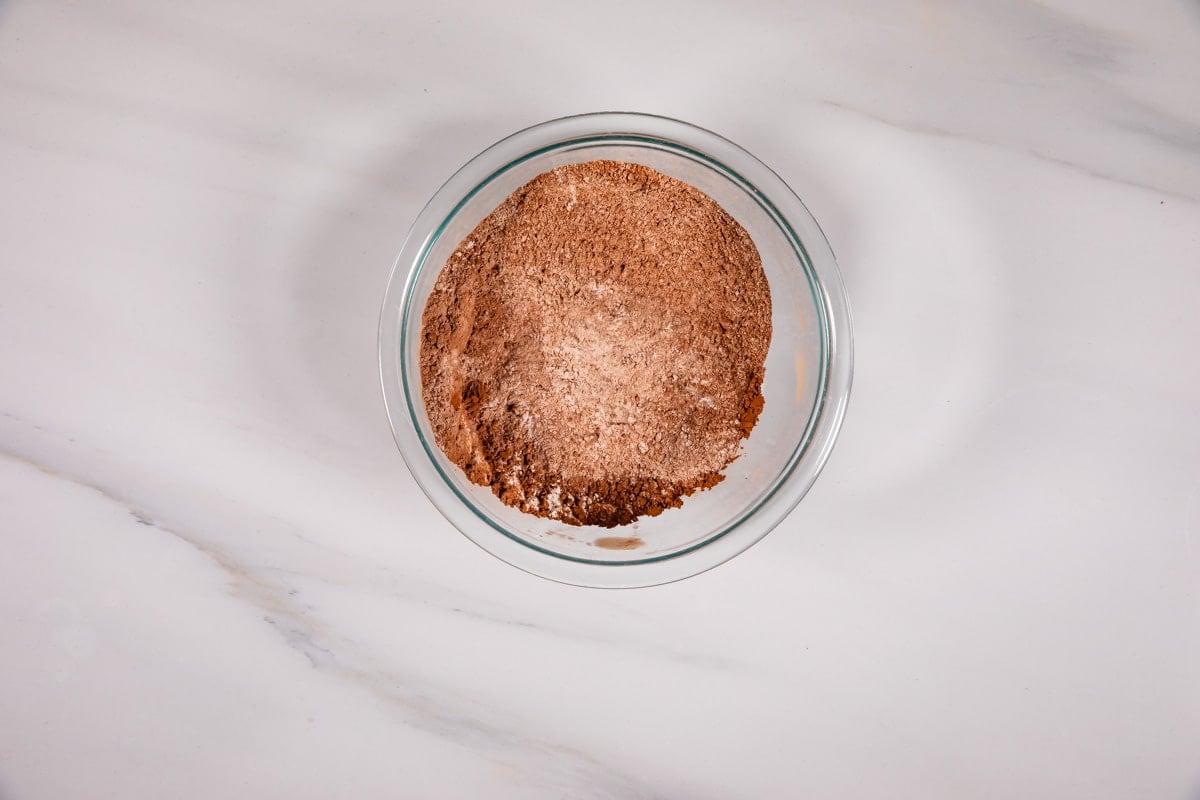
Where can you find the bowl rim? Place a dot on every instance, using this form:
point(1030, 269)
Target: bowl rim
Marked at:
point(784, 208)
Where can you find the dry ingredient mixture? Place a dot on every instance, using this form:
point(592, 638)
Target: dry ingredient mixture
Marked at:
point(593, 351)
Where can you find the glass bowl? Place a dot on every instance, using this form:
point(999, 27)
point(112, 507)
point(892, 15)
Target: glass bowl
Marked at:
point(808, 368)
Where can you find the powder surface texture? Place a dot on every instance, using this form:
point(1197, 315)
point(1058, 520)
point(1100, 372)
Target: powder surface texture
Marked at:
point(593, 351)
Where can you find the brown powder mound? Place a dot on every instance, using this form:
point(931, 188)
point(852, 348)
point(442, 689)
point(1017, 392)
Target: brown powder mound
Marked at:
point(593, 351)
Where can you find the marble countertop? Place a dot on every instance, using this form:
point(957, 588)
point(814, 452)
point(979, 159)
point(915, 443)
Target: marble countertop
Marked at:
point(219, 580)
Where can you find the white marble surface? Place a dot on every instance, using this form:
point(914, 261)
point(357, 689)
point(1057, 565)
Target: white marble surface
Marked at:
point(219, 580)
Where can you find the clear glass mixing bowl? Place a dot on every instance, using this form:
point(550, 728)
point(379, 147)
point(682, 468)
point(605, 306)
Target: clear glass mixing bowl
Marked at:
point(808, 369)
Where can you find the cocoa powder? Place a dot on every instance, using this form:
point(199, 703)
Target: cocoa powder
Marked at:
point(593, 351)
